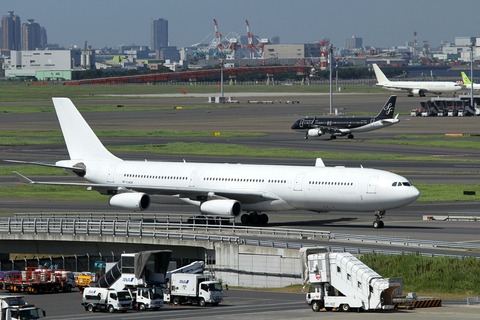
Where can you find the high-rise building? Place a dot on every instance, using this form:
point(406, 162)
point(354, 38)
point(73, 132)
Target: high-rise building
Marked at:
point(353, 43)
point(11, 32)
point(34, 37)
point(159, 34)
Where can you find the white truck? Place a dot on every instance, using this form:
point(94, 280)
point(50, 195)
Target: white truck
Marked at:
point(16, 308)
point(341, 281)
point(189, 284)
point(147, 298)
point(105, 299)
point(130, 273)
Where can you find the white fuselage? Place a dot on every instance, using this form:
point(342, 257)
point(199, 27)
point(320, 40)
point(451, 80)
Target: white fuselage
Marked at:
point(379, 124)
point(476, 86)
point(427, 86)
point(262, 187)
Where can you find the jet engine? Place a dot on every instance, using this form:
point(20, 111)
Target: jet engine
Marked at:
point(419, 92)
point(221, 207)
point(314, 132)
point(135, 201)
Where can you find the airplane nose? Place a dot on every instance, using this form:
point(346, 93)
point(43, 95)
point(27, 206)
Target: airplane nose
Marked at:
point(295, 125)
point(413, 194)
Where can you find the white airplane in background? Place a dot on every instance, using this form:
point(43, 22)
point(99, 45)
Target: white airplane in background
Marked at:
point(415, 87)
point(223, 189)
point(468, 84)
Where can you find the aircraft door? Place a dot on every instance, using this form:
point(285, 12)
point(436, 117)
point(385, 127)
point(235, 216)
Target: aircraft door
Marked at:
point(111, 174)
point(191, 183)
point(298, 182)
point(372, 185)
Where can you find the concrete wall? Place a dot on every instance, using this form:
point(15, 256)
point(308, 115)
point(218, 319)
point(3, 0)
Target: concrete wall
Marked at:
point(253, 266)
point(235, 264)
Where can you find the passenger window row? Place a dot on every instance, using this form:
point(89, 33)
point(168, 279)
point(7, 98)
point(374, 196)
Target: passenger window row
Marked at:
point(128, 175)
point(331, 183)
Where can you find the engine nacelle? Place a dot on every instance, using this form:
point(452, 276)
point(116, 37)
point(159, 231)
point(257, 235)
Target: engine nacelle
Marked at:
point(314, 132)
point(135, 201)
point(220, 207)
point(419, 92)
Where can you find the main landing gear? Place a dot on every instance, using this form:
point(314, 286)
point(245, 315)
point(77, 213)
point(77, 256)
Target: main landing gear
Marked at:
point(255, 218)
point(378, 223)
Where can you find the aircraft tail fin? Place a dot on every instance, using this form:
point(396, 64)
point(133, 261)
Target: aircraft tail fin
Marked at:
point(381, 78)
point(465, 78)
point(388, 109)
point(82, 143)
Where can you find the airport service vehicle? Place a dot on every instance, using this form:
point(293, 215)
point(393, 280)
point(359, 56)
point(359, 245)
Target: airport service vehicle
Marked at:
point(193, 288)
point(147, 298)
point(105, 299)
point(83, 280)
point(142, 274)
point(189, 284)
point(16, 308)
point(338, 280)
point(38, 280)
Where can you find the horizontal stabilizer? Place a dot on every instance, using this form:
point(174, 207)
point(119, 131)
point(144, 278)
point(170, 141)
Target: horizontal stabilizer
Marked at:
point(51, 165)
point(22, 178)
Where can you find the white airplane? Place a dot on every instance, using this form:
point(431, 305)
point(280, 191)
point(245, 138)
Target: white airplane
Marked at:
point(223, 189)
point(468, 84)
point(415, 87)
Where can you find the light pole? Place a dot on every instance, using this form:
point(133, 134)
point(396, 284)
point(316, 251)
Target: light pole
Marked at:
point(330, 54)
point(472, 45)
point(221, 79)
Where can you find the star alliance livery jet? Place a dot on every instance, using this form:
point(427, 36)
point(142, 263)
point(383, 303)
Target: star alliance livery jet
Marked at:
point(415, 87)
point(342, 126)
point(223, 189)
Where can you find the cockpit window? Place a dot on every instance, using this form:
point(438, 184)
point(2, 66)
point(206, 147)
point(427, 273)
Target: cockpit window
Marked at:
point(399, 184)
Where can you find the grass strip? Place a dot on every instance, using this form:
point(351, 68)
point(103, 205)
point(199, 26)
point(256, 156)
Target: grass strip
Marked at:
point(232, 150)
point(431, 276)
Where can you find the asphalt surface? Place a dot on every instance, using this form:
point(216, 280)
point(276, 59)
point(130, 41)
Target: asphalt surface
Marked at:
point(274, 120)
point(245, 305)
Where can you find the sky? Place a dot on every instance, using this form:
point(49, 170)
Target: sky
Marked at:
point(381, 23)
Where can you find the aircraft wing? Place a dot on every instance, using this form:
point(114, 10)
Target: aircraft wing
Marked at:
point(330, 130)
point(398, 88)
point(242, 195)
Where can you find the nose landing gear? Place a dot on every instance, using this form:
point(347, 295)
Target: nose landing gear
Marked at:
point(378, 223)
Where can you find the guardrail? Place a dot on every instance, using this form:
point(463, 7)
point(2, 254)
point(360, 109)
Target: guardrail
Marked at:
point(134, 225)
point(175, 223)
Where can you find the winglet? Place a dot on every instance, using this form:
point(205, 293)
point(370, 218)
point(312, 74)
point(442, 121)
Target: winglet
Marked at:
point(22, 178)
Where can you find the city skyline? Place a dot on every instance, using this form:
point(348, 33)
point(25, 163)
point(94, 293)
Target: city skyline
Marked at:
point(379, 23)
